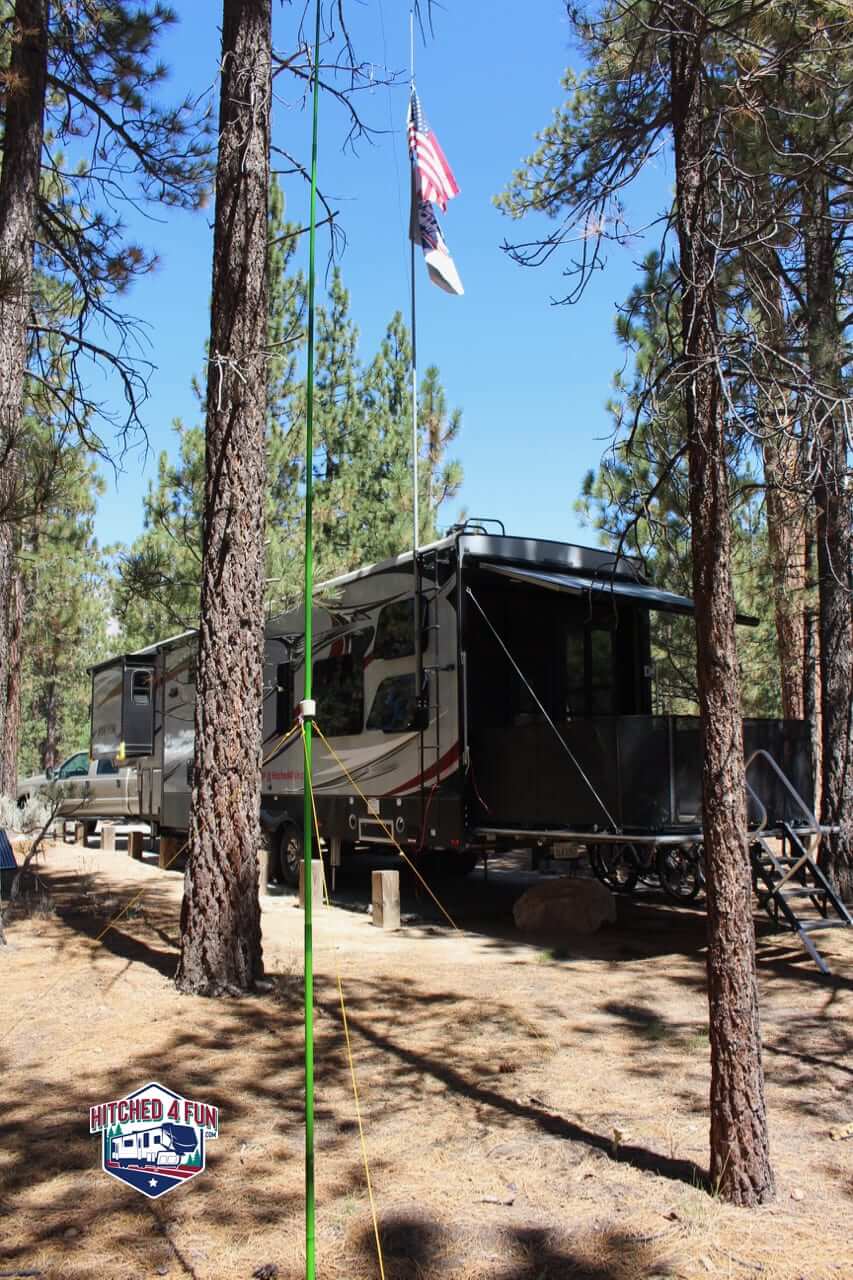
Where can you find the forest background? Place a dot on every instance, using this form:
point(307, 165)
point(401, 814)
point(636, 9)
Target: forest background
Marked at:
point(115, 564)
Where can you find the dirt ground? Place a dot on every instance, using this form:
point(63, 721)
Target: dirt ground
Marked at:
point(532, 1109)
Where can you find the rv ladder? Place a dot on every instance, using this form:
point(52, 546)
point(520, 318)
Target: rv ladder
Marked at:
point(788, 882)
point(428, 589)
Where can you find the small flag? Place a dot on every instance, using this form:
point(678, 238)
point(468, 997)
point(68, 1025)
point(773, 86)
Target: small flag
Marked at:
point(435, 175)
point(425, 231)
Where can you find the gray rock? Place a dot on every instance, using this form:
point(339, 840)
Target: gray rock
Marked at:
point(568, 905)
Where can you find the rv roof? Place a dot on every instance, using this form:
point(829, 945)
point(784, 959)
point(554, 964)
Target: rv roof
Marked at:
point(161, 644)
point(538, 551)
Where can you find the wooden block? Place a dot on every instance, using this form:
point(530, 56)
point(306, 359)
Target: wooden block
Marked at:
point(167, 852)
point(263, 868)
point(134, 844)
point(316, 883)
point(79, 833)
point(108, 837)
point(386, 899)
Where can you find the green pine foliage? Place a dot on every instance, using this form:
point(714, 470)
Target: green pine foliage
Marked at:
point(65, 627)
point(361, 463)
point(638, 499)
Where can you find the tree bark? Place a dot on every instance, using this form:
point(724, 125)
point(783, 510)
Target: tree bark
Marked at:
point(811, 698)
point(740, 1161)
point(19, 182)
point(9, 746)
point(49, 706)
point(833, 533)
point(220, 922)
point(786, 519)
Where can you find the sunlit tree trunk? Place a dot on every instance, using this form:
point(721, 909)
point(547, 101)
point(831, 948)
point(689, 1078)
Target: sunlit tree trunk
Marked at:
point(740, 1161)
point(833, 533)
point(220, 922)
point(23, 100)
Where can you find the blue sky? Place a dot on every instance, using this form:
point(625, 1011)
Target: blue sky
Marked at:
point(532, 379)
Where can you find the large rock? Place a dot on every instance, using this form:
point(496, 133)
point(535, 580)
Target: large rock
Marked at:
point(565, 906)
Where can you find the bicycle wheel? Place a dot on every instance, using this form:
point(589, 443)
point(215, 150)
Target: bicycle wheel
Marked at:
point(680, 871)
point(616, 865)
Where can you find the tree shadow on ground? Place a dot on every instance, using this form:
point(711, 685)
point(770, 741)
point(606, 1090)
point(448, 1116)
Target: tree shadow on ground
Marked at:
point(413, 1243)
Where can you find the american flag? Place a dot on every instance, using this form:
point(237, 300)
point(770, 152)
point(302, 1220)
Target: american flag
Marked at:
point(435, 176)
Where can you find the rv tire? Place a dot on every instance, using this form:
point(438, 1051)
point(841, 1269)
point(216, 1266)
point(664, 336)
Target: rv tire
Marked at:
point(290, 853)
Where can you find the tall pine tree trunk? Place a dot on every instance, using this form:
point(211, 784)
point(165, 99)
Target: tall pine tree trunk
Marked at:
point(24, 98)
point(220, 921)
point(740, 1162)
point(9, 746)
point(785, 515)
point(833, 534)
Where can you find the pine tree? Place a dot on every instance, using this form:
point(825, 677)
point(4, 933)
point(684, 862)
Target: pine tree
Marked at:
point(648, 85)
point(65, 630)
point(220, 918)
point(83, 75)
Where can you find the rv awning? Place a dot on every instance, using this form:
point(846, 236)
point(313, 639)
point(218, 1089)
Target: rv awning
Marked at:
point(601, 588)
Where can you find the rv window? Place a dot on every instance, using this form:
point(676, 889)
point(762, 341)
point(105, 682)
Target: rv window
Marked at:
point(339, 684)
point(395, 631)
point(140, 689)
point(589, 671)
point(393, 707)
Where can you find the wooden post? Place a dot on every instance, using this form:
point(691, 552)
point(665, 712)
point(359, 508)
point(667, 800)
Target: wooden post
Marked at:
point(167, 850)
point(263, 868)
point(134, 844)
point(79, 833)
point(316, 883)
point(386, 899)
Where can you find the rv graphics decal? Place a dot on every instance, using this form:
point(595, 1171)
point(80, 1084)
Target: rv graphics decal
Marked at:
point(153, 1139)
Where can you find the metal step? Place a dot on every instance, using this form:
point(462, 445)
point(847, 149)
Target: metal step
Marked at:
point(782, 878)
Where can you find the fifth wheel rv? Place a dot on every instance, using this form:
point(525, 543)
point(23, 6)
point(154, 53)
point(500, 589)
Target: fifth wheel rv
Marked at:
point(487, 692)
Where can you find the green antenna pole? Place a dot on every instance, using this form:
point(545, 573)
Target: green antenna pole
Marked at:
point(307, 812)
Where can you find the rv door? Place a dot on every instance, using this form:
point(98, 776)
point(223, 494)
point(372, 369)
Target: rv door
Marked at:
point(122, 710)
point(138, 711)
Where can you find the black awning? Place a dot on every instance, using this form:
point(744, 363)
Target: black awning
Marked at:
point(600, 588)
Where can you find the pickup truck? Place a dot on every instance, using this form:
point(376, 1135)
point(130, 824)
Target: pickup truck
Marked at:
point(91, 789)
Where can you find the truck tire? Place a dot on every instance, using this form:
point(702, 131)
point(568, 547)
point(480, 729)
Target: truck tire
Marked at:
point(290, 854)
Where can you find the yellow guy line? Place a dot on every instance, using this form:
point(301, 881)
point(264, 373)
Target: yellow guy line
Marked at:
point(281, 742)
point(385, 828)
point(350, 1058)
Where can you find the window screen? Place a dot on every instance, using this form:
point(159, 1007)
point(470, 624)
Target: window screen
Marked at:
point(393, 707)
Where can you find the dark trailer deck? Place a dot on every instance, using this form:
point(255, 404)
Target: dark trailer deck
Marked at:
point(560, 731)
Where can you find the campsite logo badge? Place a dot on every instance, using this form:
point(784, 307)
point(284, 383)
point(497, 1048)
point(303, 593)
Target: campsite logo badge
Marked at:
point(154, 1140)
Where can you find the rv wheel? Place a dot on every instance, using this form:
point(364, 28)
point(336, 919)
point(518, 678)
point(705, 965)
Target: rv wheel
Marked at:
point(290, 854)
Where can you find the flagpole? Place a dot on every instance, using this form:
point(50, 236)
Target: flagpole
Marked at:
point(415, 485)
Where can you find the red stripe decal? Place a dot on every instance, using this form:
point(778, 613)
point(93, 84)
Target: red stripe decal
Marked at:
point(450, 757)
